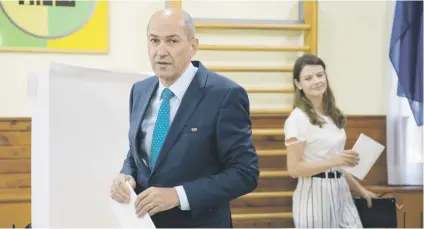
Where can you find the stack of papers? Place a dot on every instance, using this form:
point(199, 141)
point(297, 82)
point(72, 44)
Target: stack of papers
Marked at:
point(125, 212)
point(369, 150)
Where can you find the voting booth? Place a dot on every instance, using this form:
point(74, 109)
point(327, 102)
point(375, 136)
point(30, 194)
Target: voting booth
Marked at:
point(80, 125)
point(79, 141)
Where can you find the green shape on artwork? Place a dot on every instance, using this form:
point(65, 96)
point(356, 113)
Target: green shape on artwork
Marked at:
point(11, 36)
point(67, 20)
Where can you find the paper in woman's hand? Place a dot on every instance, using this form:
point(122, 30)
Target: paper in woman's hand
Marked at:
point(369, 150)
point(125, 212)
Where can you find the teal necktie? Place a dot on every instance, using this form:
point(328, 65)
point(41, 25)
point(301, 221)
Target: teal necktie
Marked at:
point(161, 126)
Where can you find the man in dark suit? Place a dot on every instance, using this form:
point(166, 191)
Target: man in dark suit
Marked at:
point(190, 136)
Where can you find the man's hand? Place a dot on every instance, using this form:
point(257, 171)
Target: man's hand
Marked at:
point(154, 200)
point(119, 190)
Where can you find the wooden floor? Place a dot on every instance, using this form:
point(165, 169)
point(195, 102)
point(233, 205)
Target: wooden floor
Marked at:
point(268, 206)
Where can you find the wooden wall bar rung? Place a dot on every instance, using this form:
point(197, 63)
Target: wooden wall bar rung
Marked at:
point(254, 195)
point(280, 173)
point(271, 112)
point(262, 216)
point(269, 90)
point(254, 48)
point(275, 152)
point(268, 132)
point(252, 26)
point(249, 69)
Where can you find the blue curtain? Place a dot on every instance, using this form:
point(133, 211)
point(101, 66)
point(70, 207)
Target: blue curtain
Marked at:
point(406, 54)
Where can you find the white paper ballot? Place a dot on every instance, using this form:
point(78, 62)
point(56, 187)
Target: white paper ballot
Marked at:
point(369, 150)
point(125, 213)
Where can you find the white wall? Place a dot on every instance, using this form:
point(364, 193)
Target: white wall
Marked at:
point(128, 22)
point(353, 41)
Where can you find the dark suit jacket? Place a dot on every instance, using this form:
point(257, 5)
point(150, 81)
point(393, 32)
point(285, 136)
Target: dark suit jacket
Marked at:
point(215, 164)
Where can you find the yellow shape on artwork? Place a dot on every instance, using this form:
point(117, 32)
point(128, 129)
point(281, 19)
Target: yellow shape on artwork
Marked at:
point(30, 18)
point(91, 37)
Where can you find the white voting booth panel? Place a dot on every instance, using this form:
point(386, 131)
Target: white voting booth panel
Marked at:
point(79, 141)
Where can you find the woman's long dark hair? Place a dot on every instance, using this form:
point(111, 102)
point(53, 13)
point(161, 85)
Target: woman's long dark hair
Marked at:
point(304, 104)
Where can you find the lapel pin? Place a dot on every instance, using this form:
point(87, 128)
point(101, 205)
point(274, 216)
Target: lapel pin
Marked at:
point(193, 129)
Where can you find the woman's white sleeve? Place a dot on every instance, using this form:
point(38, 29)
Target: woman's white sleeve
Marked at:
point(293, 128)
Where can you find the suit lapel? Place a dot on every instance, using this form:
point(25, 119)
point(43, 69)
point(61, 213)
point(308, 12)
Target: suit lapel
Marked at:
point(191, 99)
point(144, 101)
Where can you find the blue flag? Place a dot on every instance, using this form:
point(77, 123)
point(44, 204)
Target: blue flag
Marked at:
point(406, 54)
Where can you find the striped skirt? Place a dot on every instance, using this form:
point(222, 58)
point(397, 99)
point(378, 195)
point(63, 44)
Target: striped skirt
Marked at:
point(324, 203)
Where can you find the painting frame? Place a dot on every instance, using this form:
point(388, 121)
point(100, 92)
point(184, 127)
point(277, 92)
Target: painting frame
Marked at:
point(90, 38)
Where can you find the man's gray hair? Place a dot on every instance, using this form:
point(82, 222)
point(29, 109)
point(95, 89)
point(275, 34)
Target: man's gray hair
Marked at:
point(189, 25)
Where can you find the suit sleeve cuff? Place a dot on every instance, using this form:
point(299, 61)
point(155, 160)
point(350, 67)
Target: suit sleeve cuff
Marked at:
point(184, 205)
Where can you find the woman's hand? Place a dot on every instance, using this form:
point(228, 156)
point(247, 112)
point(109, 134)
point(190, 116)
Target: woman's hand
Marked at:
point(349, 158)
point(358, 189)
point(368, 195)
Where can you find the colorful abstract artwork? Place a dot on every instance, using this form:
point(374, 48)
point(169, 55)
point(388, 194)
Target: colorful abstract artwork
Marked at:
point(75, 26)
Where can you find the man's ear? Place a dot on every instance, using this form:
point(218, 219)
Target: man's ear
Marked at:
point(194, 45)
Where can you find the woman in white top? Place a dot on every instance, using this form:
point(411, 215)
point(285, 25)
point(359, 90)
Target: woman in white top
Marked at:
point(315, 140)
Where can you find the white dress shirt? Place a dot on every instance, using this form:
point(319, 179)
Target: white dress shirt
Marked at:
point(179, 87)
